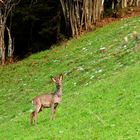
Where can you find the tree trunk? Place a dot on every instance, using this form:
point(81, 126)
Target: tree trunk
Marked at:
point(10, 46)
point(81, 14)
point(2, 44)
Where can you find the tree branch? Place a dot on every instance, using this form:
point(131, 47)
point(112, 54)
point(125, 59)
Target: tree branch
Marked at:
point(1, 1)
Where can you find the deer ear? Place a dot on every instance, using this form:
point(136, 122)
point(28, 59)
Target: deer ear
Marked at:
point(53, 79)
point(61, 76)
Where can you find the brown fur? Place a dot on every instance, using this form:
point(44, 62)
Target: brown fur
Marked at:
point(47, 100)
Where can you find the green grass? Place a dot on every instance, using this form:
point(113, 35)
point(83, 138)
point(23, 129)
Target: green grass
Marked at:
point(101, 94)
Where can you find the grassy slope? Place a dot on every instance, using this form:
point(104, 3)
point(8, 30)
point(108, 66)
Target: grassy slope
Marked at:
point(100, 90)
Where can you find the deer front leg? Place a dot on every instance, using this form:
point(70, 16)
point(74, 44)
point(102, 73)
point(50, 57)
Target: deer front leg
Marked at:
point(55, 106)
point(52, 111)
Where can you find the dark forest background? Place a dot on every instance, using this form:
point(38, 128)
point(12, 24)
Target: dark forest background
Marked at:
point(37, 24)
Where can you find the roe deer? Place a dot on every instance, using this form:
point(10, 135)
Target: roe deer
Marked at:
point(47, 100)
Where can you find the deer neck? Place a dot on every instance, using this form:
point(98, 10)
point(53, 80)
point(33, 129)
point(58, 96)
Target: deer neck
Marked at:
point(58, 91)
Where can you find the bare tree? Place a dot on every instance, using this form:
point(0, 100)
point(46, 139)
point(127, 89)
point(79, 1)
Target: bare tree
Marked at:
point(6, 7)
point(81, 14)
point(126, 3)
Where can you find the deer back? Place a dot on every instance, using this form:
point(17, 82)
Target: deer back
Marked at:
point(46, 100)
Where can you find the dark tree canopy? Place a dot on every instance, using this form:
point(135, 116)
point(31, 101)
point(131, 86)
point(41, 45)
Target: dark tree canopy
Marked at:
point(36, 26)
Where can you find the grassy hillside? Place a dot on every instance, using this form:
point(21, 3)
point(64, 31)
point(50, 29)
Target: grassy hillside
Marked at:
point(101, 94)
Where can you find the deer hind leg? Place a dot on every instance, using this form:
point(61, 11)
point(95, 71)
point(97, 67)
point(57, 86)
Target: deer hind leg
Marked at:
point(37, 110)
point(33, 115)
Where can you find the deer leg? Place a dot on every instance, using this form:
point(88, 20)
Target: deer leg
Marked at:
point(54, 112)
point(55, 106)
point(53, 109)
point(31, 117)
point(37, 110)
point(35, 118)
